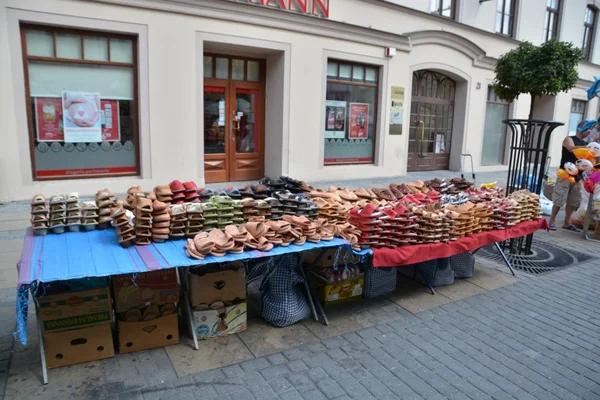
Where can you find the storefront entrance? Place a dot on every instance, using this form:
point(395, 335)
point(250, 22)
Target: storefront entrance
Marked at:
point(431, 119)
point(233, 118)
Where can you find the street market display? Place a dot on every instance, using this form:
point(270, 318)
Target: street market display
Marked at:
point(281, 211)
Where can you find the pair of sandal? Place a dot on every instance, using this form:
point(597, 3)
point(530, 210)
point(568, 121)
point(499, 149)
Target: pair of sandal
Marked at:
point(161, 221)
point(150, 313)
point(125, 231)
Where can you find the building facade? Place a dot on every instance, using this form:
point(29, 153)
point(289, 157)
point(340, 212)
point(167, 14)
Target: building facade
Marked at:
point(115, 93)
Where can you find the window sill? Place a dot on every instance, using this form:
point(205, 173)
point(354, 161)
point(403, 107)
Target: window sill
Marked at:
point(77, 177)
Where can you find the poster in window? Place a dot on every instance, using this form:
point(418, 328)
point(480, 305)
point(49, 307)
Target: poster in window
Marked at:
point(359, 121)
point(397, 110)
point(335, 119)
point(440, 143)
point(48, 119)
point(81, 117)
point(111, 126)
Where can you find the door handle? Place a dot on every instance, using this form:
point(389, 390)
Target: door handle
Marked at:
point(422, 137)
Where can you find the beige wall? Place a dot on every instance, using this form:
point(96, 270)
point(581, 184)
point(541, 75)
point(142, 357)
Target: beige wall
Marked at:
point(296, 49)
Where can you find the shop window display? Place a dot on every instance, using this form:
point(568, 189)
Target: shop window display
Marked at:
point(350, 113)
point(82, 102)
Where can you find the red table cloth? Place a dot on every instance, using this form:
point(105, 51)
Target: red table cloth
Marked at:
point(407, 255)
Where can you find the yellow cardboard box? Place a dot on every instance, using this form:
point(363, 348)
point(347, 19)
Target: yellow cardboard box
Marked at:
point(215, 323)
point(330, 293)
point(71, 310)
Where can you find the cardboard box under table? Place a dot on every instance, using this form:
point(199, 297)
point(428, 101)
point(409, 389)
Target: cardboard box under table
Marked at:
point(76, 324)
point(331, 293)
point(218, 300)
point(142, 291)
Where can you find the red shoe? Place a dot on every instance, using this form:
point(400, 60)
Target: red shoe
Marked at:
point(176, 186)
point(190, 186)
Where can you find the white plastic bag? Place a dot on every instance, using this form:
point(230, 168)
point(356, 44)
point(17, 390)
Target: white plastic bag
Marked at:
point(545, 204)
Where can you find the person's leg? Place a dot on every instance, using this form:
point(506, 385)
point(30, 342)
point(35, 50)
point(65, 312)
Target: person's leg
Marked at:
point(568, 214)
point(555, 210)
point(559, 199)
point(573, 202)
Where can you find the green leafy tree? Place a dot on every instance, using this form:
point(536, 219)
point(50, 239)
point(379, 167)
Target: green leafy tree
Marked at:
point(545, 70)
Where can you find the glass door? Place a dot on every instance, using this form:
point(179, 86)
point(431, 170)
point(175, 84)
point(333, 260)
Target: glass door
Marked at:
point(233, 119)
point(247, 159)
point(216, 128)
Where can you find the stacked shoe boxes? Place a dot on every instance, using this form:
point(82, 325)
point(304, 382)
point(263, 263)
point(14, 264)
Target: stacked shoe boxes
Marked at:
point(218, 300)
point(75, 318)
point(145, 309)
point(336, 275)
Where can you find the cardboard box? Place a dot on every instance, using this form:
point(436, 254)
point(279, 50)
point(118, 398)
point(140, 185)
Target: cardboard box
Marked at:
point(215, 323)
point(145, 289)
point(72, 310)
point(143, 335)
point(330, 256)
point(73, 285)
point(225, 286)
point(78, 345)
point(339, 292)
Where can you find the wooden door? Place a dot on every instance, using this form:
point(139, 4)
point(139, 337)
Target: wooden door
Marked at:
point(233, 120)
point(431, 120)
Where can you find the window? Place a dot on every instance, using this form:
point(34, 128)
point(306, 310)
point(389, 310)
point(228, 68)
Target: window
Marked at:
point(81, 92)
point(588, 32)
point(494, 132)
point(578, 108)
point(350, 113)
point(445, 8)
point(551, 24)
point(505, 14)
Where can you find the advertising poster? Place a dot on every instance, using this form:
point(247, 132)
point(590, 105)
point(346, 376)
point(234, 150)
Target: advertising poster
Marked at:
point(397, 110)
point(359, 121)
point(81, 117)
point(111, 126)
point(48, 119)
point(335, 119)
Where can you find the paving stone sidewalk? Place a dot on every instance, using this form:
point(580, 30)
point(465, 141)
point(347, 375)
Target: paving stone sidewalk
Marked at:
point(537, 339)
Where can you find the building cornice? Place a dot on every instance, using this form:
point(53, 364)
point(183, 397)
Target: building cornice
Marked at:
point(272, 18)
point(456, 42)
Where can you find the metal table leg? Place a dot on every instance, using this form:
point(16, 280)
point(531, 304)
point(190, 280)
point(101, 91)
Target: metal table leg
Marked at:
point(42, 352)
point(417, 270)
point(309, 294)
point(183, 277)
point(311, 288)
point(506, 261)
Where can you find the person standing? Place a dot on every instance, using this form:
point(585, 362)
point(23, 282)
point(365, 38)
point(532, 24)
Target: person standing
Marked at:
point(568, 194)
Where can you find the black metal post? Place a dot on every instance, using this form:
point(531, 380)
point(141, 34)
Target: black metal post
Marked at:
point(526, 162)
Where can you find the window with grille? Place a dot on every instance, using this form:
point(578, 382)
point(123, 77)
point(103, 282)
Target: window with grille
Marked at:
point(81, 79)
point(444, 8)
point(589, 27)
point(351, 112)
point(505, 14)
point(551, 23)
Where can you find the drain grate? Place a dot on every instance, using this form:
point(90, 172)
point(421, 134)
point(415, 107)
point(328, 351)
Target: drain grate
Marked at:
point(544, 258)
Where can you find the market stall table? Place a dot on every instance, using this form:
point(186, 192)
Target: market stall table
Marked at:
point(76, 255)
point(409, 255)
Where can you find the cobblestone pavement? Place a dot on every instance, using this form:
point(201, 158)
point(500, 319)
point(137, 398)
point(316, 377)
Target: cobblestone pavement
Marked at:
point(537, 339)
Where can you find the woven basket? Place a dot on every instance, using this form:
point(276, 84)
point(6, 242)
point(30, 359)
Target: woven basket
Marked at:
point(463, 265)
point(379, 281)
point(436, 272)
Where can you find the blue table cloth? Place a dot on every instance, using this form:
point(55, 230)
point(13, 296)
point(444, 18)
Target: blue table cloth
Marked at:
point(74, 255)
